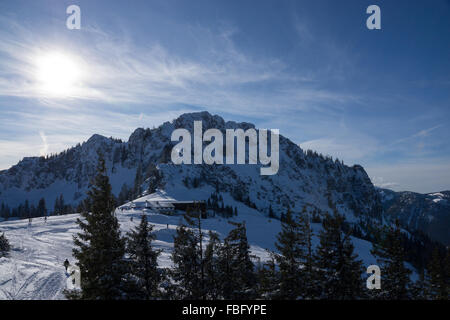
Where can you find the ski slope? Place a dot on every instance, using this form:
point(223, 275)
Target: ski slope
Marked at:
point(34, 269)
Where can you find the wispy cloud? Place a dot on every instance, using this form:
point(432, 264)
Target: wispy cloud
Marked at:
point(420, 134)
point(350, 149)
point(116, 70)
point(382, 183)
point(44, 149)
point(433, 175)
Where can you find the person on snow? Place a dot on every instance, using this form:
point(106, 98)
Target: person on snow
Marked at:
point(66, 264)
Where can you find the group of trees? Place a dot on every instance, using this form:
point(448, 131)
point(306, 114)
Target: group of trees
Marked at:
point(220, 270)
point(331, 271)
point(117, 267)
point(112, 266)
point(127, 193)
point(206, 267)
point(216, 204)
point(25, 210)
point(60, 207)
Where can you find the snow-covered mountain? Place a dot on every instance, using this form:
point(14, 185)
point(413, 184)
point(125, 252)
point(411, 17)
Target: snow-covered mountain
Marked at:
point(429, 212)
point(305, 179)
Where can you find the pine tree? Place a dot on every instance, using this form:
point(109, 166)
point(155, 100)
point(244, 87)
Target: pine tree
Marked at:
point(137, 190)
point(268, 280)
point(5, 211)
point(41, 208)
point(144, 275)
point(340, 272)
point(308, 274)
point(187, 256)
point(26, 209)
point(390, 255)
point(59, 205)
point(5, 247)
point(437, 281)
point(238, 278)
point(290, 258)
point(99, 246)
point(447, 272)
point(271, 213)
point(212, 272)
point(419, 290)
point(350, 272)
point(154, 178)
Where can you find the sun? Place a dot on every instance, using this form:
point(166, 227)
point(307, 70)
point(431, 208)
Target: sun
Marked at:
point(58, 74)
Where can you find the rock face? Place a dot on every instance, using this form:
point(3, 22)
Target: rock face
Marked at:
point(304, 179)
point(429, 213)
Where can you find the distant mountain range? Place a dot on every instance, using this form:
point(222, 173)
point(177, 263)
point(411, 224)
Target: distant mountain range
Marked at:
point(429, 212)
point(307, 180)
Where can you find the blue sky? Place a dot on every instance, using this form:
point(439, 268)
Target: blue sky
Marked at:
point(379, 98)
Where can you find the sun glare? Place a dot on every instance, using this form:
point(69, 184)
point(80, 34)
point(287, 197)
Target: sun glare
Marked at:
point(58, 74)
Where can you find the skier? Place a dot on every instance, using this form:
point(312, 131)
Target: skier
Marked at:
point(66, 264)
point(45, 219)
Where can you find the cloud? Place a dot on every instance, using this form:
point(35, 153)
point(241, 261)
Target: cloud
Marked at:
point(419, 175)
point(344, 143)
point(118, 71)
point(44, 150)
point(418, 144)
point(420, 134)
point(382, 183)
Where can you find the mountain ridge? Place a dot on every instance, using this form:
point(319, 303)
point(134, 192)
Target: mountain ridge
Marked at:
point(72, 169)
point(306, 178)
point(427, 212)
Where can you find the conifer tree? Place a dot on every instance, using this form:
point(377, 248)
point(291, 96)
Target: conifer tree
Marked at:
point(154, 178)
point(238, 278)
point(340, 272)
point(41, 208)
point(143, 264)
point(419, 290)
point(5, 247)
point(308, 274)
point(268, 279)
point(99, 247)
point(437, 281)
point(59, 205)
point(271, 213)
point(447, 272)
point(26, 209)
point(188, 259)
point(350, 272)
point(290, 259)
point(212, 272)
point(137, 190)
point(390, 255)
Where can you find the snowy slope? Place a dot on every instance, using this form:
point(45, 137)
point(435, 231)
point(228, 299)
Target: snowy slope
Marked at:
point(34, 269)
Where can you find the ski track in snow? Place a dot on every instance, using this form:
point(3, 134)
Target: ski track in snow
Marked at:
point(34, 268)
